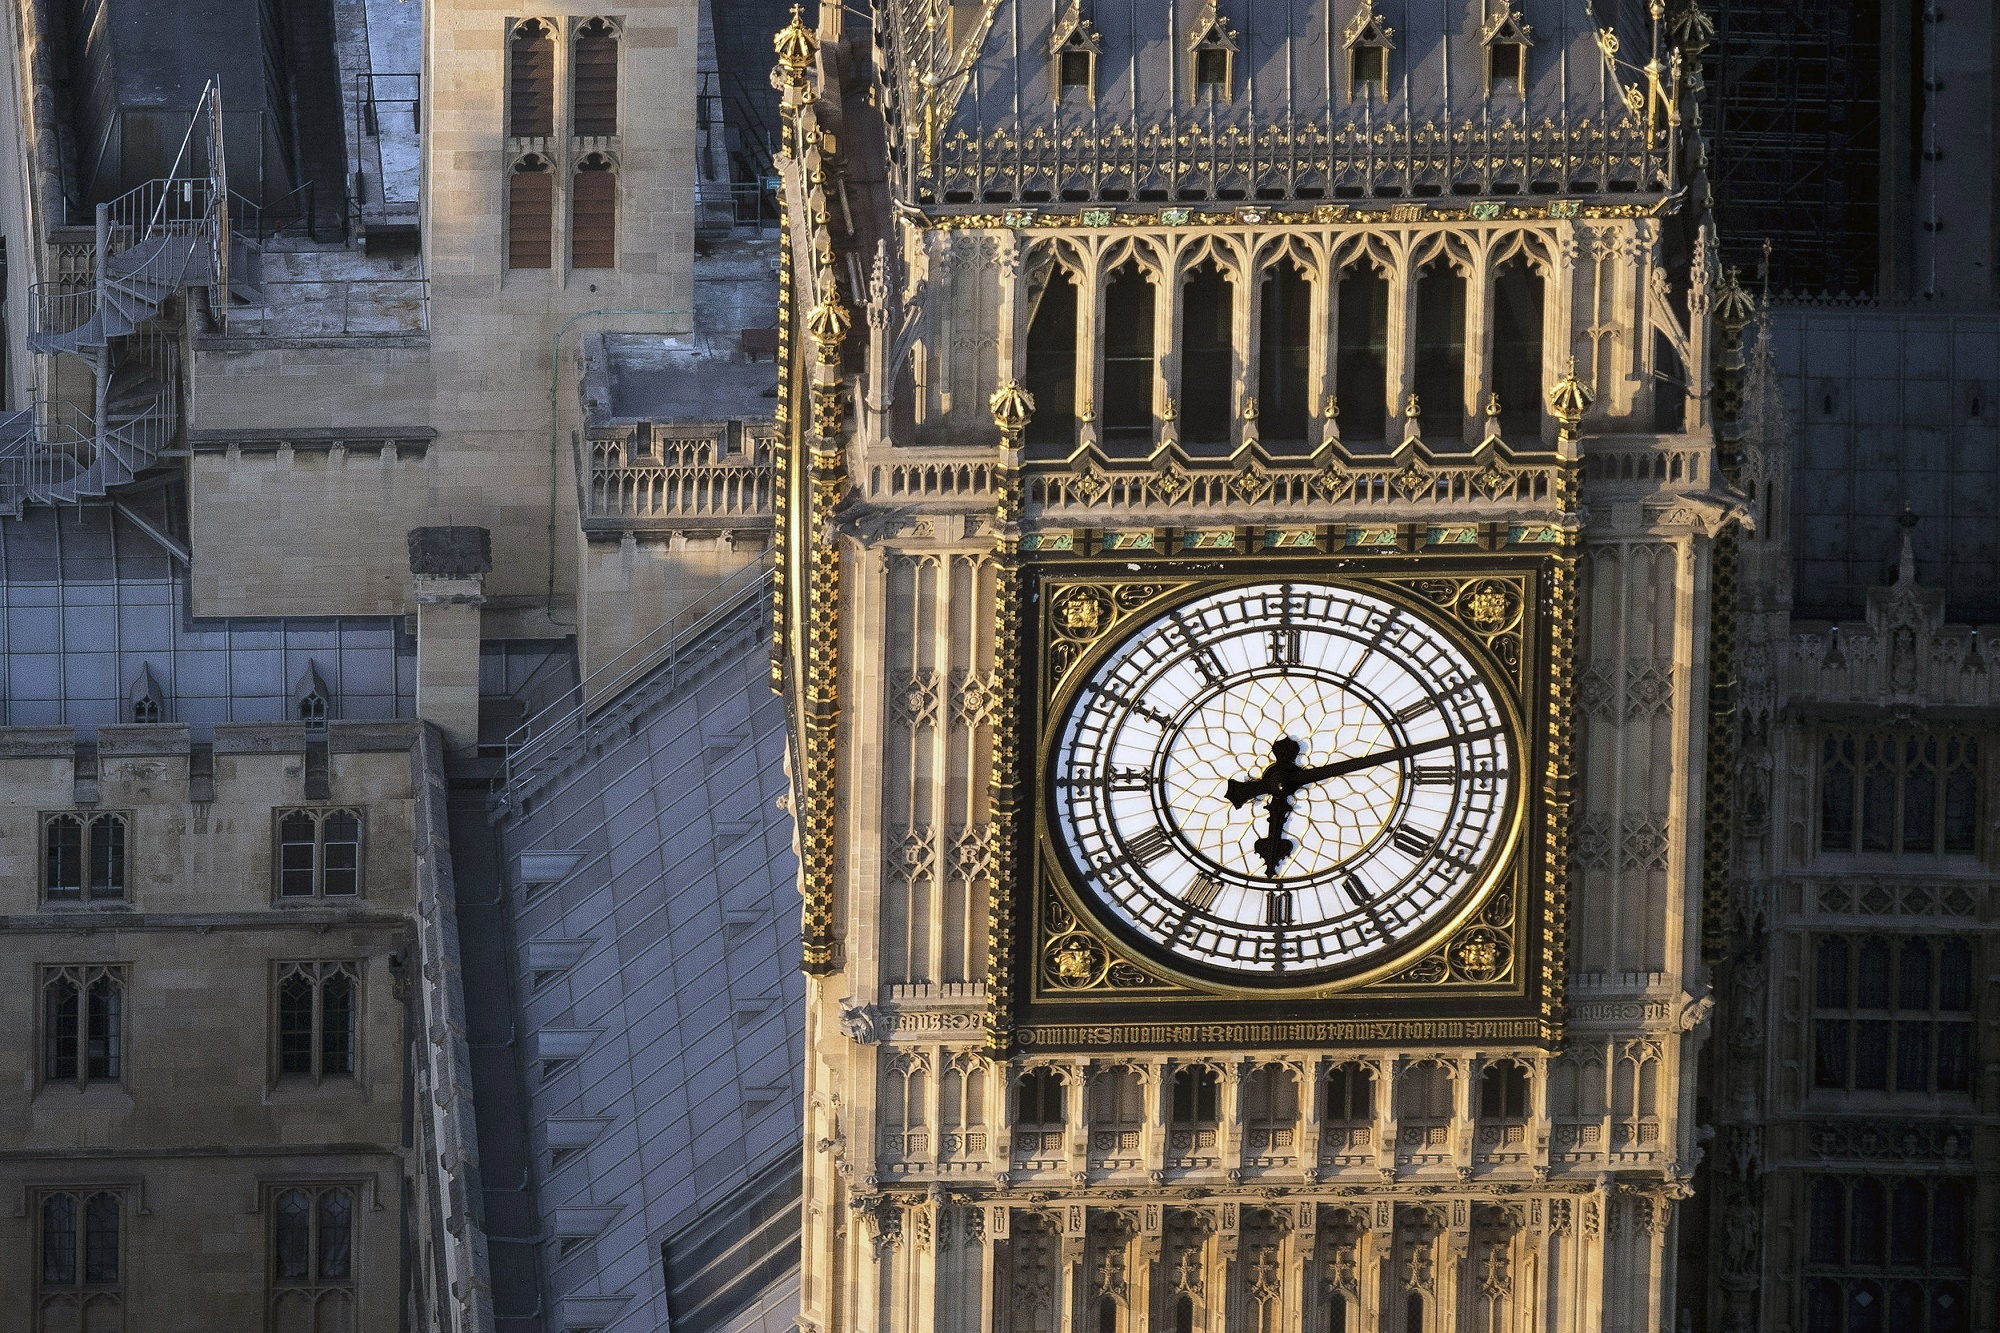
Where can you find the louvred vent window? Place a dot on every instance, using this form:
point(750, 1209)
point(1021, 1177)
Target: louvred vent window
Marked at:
point(531, 109)
point(595, 56)
point(530, 214)
point(594, 215)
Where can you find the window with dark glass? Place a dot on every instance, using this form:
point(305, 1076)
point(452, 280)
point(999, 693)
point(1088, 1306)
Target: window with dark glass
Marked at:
point(1213, 51)
point(1052, 362)
point(1076, 71)
point(316, 1019)
point(1517, 348)
point(1361, 359)
point(1039, 1098)
point(1284, 354)
point(82, 1025)
point(1368, 72)
point(1208, 356)
point(1886, 1254)
point(1503, 1092)
point(1350, 1095)
point(1913, 793)
point(1439, 373)
point(1127, 409)
point(1893, 1014)
point(81, 1258)
point(312, 1255)
point(84, 857)
point(1197, 1096)
point(319, 853)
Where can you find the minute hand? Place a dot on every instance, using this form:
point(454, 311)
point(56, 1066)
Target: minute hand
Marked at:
point(1342, 767)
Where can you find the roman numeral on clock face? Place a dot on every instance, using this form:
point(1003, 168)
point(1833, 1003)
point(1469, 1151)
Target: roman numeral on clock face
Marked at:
point(1434, 775)
point(1200, 895)
point(1285, 646)
point(1411, 841)
point(1416, 710)
point(1278, 907)
point(1149, 846)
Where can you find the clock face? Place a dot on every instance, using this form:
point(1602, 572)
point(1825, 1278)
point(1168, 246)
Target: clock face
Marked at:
point(1284, 782)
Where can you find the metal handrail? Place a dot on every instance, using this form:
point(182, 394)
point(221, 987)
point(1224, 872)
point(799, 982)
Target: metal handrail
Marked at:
point(421, 295)
point(536, 741)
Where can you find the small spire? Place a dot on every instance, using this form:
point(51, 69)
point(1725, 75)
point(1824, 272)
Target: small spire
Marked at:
point(1906, 564)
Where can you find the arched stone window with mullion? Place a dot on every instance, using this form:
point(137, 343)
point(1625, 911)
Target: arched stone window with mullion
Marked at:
point(79, 1260)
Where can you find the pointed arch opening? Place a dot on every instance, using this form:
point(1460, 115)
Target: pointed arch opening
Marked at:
point(1051, 367)
point(1517, 348)
point(531, 81)
point(1284, 354)
point(1129, 357)
point(1208, 355)
point(1361, 357)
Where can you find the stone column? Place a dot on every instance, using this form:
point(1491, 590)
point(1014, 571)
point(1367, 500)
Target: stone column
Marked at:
point(448, 568)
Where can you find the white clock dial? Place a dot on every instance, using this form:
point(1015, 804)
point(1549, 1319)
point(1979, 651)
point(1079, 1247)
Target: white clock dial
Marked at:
point(1283, 779)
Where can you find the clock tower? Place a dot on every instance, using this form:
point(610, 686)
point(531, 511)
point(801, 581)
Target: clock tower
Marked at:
point(1251, 519)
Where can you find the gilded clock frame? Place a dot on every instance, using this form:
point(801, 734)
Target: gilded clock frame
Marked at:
point(1492, 972)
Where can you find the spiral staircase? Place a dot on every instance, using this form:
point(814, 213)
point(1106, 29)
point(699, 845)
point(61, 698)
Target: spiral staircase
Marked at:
point(158, 241)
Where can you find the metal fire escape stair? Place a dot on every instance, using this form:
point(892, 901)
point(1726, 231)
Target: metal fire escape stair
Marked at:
point(155, 242)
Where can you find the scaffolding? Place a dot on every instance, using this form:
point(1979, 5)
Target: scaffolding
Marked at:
point(1795, 105)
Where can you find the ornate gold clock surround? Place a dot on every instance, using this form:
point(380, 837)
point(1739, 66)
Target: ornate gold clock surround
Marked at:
point(1494, 973)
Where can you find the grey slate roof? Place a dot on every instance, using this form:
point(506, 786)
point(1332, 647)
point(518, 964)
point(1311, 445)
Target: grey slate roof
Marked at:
point(665, 964)
point(88, 602)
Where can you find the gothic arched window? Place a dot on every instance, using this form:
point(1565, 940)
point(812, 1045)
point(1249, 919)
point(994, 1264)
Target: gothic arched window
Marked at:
point(1284, 353)
point(594, 80)
point(1129, 360)
point(1368, 41)
point(1361, 354)
point(593, 215)
point(1051, 367)
point(531, 201)
point(1208, 355)
point(531, 77)
point(1212, 52)
point(1507, 40)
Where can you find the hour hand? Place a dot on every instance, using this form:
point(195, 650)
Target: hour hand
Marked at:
point(1242, 791)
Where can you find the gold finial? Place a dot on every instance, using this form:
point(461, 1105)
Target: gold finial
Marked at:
point(828, 323)
point(1492, 404)
point(1013, 407)
point(1249, 409)
point(1569, 399)
point(795, 45)
point(1172, 413)
point(1413, 408)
